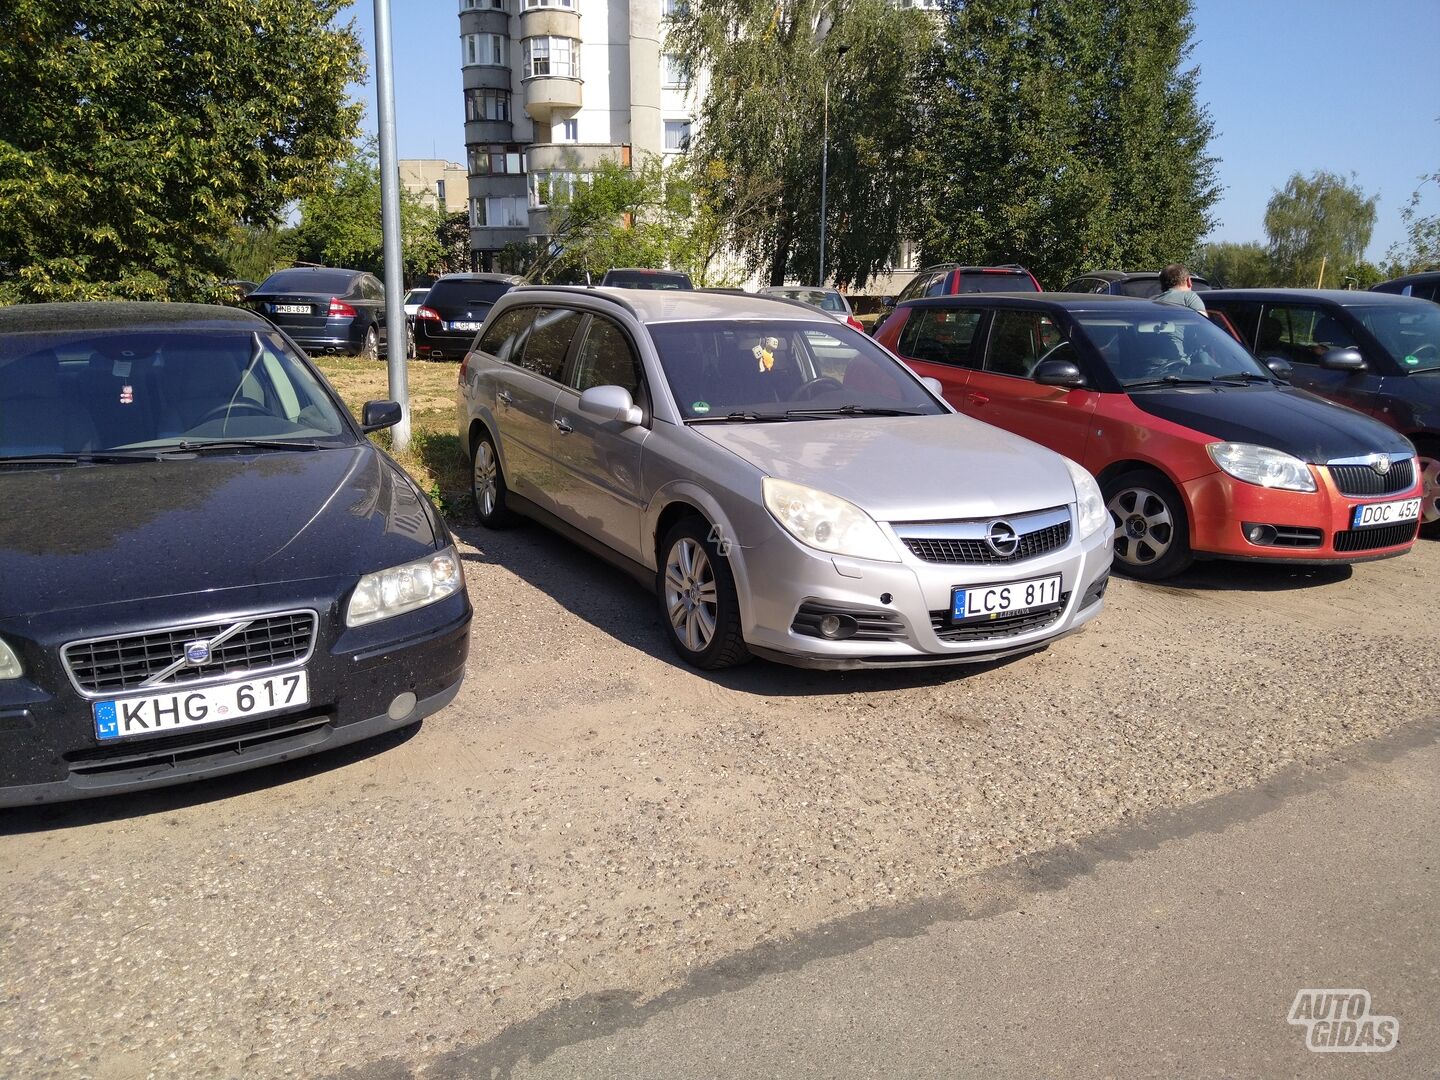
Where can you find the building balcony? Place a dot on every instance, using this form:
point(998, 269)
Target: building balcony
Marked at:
point(549, 22)
point(547, 95)
point(485, 21)
point(485, 132)
point(485, 77)
point(573, 157)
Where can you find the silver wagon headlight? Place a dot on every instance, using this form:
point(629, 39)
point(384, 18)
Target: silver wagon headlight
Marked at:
point(403, 588)
point(826, 522)
point(1089, 502)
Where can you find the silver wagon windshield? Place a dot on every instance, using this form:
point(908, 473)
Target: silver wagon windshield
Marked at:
point(766, 369)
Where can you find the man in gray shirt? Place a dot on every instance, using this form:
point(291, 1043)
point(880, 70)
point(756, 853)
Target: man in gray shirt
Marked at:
point(1175, 281)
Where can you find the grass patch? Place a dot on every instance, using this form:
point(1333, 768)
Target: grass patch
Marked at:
point(434, 457)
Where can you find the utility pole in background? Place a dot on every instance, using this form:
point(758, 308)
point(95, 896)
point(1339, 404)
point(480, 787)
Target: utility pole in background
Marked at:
point(396, 332)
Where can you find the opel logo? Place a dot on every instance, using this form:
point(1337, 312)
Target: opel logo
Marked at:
point(1380, 463)
point(197, 653)
point(1002, 538)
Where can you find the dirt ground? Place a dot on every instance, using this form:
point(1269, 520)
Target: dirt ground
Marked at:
point(589, 817)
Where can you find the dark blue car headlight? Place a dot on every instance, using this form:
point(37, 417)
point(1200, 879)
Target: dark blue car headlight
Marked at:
point(387, 593)
point(9, 662)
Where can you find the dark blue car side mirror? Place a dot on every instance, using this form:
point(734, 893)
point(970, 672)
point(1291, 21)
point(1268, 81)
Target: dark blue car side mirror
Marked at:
point(379, 414)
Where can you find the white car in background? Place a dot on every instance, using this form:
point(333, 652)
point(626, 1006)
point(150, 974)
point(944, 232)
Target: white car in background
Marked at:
point(830, 301)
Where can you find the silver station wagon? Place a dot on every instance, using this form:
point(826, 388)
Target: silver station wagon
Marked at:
point(787, 487)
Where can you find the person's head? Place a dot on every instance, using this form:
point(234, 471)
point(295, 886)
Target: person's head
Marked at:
point(1174, 276)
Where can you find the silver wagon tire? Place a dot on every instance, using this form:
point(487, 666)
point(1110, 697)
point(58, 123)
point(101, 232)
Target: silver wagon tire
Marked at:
point(697, 598)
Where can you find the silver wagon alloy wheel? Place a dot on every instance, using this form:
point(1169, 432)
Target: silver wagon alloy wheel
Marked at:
point(483, 480)
point(1146, 528)
point(691, 598)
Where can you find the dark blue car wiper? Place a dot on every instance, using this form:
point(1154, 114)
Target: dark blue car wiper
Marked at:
point(1167, 380)
point(1243, 376)
point(195, 447)
point(88, 458)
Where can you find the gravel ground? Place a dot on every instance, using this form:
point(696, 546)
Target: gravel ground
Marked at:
point(590, 816)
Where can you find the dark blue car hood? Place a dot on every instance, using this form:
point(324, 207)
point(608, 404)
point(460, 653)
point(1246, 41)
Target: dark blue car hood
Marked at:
point(1281, 417)
point(81, 536)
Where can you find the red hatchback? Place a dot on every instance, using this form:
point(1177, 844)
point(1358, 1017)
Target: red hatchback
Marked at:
point(1199, 448)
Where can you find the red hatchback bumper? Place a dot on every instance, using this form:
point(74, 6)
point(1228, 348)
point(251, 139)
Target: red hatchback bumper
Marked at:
point(1233, 519)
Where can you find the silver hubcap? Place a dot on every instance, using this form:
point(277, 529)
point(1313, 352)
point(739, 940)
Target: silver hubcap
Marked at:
point(1146, 529)
point(691, 598)
point(487, 491)
point(1430, 475)
point(371, 344)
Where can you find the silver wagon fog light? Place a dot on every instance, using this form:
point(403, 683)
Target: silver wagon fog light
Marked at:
point(9, 662)
point(403, 588)
point(826, 522)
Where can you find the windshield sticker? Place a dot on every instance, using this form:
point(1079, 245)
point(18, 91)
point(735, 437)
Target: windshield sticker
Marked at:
point(700, 407)
point(1412, 361)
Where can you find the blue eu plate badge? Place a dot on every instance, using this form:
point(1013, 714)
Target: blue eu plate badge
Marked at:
point(107, 722)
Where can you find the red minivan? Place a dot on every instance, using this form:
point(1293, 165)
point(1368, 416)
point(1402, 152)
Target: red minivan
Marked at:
point(1200, 449)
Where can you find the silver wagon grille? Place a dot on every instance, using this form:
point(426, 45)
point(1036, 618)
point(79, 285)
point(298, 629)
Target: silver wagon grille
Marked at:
point(159, 657)
point(966, 541)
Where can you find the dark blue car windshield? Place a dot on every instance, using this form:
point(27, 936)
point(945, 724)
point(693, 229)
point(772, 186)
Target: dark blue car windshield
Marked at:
point(73, 393)
point(1410, 334)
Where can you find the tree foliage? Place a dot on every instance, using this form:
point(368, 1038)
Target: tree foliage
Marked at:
point(1421, 248)
point(759, 147)
point(1234, 266)
point(1067, 137)
point(613, 215)
point(340, 225)
point(134, 136)
point(1315, 219)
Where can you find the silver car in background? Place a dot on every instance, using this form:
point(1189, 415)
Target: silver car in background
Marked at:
point(786, 486)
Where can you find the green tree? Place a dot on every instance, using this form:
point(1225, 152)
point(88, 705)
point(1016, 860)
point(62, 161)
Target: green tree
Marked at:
point(1318, 219)
point(1421, 247)
point(1067, 137)
point(758, 151)
point(340, 225)
point(134, 136)
point(613, 215)
point(1235, 266)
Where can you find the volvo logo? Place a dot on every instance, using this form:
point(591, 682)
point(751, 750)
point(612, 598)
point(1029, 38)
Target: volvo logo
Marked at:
point(1380, 463)
point(1002, 538)
point(197, 653)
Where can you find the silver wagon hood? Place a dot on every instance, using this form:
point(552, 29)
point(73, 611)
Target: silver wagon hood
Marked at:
point(905, 468)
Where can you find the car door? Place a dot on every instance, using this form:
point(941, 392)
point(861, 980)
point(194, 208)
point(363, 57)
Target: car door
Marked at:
point(1302, 333)
point(942, 343)
point(598, 479)
point(525, 393)
point(1004, 393)
point(370, 299)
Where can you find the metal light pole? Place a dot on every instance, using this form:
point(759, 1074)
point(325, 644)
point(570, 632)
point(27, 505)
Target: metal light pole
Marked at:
point(822, 31)
point(396, 350)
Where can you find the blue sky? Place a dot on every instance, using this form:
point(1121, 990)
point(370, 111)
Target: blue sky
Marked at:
point(1292, 85)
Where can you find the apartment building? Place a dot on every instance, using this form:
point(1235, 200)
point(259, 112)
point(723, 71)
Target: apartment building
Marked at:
point(439, 183)
point(551, 88)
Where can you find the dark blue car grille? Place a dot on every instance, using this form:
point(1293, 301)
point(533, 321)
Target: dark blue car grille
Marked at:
point(113, 665)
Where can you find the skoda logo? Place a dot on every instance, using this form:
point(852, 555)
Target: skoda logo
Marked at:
point(1380, 463)
point(1002, 538)
point(197, 653)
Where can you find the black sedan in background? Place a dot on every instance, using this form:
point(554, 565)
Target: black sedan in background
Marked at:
point(1139, 283)
point(447, 322)
point(1373, 351)
point(205, 565)
point(325, 310)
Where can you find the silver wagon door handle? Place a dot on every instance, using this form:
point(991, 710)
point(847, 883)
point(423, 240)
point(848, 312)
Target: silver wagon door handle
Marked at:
point(504, 398)
point(563, 427)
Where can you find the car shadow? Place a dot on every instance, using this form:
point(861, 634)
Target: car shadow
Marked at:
point(54, 817)
point(1221, 575)
point(618, 605)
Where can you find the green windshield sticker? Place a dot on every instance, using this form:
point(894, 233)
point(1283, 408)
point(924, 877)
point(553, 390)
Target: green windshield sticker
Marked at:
point(700, 407)
point(1412, 361)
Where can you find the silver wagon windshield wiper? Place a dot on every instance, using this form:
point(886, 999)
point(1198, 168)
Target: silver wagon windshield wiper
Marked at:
point(739, 418)
point(855, 410)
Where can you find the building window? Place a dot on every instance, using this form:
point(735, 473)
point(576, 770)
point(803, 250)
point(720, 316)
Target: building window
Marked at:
point(487, 104)
point(482, 5)
point(496, 160)
point(673, 75)
point(677, 135)
point(549, 4)
point(674, 9)
point(546, 187)
point(555, 57)
point(482, 49)
point(440, 193)
point(567, 131)
point(498, 212)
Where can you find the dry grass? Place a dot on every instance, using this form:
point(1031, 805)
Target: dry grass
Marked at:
point(434, 458)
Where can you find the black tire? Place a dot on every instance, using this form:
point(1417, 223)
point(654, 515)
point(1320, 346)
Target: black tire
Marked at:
point(696, 592)
point(1429, 451)
point(487, 485)
point(369, 346)
point(1152, 534)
